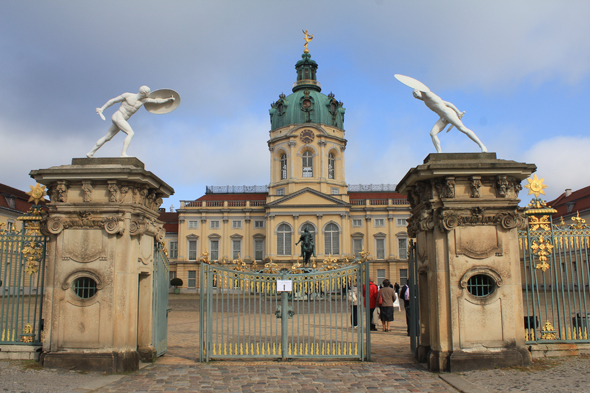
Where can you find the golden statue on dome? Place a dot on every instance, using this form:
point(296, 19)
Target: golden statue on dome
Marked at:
point(308, 38)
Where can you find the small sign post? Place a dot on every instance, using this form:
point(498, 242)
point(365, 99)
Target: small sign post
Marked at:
point(284, 285)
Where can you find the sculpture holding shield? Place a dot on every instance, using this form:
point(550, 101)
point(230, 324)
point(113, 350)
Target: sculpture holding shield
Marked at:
point(158, 102)
point(449, 114)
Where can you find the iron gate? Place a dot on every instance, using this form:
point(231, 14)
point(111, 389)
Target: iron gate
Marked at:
point(160, 300)
point(414, 321)
point(247, 314)
point(22, 268)
point(556, 276)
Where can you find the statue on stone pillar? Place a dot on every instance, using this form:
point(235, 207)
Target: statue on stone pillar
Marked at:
point(130, 103)
point(449, 114)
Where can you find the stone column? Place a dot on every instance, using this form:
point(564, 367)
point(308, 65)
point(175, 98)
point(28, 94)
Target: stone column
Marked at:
point(102, 222)
point(465, 219)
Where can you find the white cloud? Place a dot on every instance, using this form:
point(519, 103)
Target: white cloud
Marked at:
point(563, 162)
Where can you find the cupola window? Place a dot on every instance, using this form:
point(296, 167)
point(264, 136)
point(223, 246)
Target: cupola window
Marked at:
point(283, 166)
point(331, 161)
point(307, 164)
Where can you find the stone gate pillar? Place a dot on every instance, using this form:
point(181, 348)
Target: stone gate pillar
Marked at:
point(465, 219)
point(102, 223)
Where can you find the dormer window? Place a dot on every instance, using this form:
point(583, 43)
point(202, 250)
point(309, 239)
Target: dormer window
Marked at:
point(10, 201)
point(570, 206)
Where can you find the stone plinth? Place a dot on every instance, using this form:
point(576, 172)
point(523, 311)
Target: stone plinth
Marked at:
point(102, 223)
point(465, 219)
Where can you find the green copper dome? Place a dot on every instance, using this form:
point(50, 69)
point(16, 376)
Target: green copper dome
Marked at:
point(307, 104)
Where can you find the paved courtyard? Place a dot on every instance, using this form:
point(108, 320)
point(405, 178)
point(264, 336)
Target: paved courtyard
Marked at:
point(392, 369)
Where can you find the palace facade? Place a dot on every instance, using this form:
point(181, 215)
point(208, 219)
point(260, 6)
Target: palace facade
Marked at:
point(307, 189)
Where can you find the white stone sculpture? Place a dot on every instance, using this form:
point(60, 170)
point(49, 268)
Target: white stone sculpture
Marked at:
point(449, 114)
point(130, 103)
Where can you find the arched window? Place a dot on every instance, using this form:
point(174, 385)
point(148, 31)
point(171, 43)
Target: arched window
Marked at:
point(332, 239)
point(284, 240)
point(331, 170)
point(307, 164)
point(283, 166)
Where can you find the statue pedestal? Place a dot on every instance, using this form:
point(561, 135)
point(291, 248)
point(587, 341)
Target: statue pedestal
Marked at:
point(102, 223)
point(465, 220)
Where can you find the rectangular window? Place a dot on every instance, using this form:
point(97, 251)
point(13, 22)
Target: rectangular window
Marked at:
point(403, 276)
point(214, 224)
point(280, 191)
point(334, 191)
point(173, 250)
point(193, 224)
point(380, 276)
point(192, 250)
point(401, 222)
point(171, 275)
point(236, 224)
point(10, 226)
point(236, 249)
point(258, 224)
point(214, 253)
point(380, 248)
point(379, 222)
point(402, 248)
point(259, 250)
point(192, 278)
point(357, 222)
point(357, 247)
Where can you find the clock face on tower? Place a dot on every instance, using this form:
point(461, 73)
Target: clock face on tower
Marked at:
point(307, 136)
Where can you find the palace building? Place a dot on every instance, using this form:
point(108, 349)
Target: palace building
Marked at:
point(307, 189)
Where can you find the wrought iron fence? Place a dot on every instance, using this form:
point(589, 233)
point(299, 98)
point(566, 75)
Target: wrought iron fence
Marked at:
point(556, 277)
point(235, 189)
point(22, 268)
point(371, 187)
point(246, 314)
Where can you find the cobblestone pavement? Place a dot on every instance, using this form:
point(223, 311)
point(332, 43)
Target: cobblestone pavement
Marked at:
point(393, 369)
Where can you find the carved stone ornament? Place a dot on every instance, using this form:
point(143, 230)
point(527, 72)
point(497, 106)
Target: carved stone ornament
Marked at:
point(111, 224)
point(502, 186)
point(114, 225)
point(449, 220)
point(58, 192)
point(113, 192)
point(475, 184)
point(87, 188)
point(421, 192)
point(449, 188)
point(420, 223)
point(145, 226)
point(55, 225)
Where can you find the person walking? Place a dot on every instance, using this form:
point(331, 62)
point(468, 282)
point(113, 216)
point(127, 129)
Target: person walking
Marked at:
point(373, 293)
point(405, 296)
point(353, 301)
point(387, 297)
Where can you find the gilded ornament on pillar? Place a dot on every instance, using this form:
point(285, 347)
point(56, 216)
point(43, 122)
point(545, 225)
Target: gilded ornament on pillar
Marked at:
point(535, 186)
point(36, 194)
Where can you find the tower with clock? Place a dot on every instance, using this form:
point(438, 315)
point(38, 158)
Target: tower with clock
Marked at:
point(307, 141)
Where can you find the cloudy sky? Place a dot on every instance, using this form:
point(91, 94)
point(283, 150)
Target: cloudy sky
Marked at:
point(520, 70)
